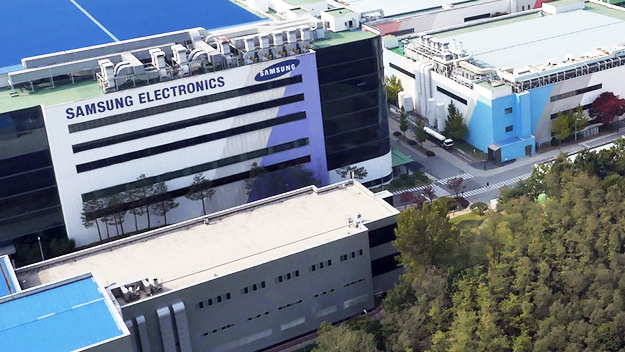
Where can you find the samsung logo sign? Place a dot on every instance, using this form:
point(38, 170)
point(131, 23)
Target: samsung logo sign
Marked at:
point(277, 70)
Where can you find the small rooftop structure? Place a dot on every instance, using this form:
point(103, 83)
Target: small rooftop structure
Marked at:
point(67, 315)
point(401, 7)
point(218, 244)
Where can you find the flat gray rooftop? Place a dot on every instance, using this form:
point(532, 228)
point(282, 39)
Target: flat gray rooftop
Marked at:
point(399, 7)
point(235, 239)
point(534, 40)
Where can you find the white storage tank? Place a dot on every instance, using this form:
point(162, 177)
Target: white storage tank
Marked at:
point(431, 112)
point(440, 117)
point(400, 100)
point(406, 101)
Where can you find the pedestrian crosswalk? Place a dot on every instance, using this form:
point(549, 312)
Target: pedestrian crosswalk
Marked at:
point(465, 176)
point(497, 186)
point(438, 191)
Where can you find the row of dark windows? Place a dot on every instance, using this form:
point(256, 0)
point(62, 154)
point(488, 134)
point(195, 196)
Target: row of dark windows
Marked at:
point(18, 205)
point(182, 191)
point(477, 17)
point(382, 235)
point(178, 125)
point(350, 79)
point(220, 329)
point(359, 153)
point(327, 292)
point(352, 255)
point(321, 265)
point(22, 163)
point(185, 143)
point(215, 300)
point(409, 74)
point(352, 86)
point(333, 55)
point(354, 120)
point(379, 181)
point(257, 316)
point(353, 283)
point(290, 305)
point(342, 71)
point(110, 120)
point(27, 182)
point(452, 95)
point(287, 276)
point(575, 92)
point(110, 191)
point(253, 288)
point(385, 264)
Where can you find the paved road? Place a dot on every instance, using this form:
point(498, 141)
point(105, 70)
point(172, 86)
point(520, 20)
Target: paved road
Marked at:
point(481, 185)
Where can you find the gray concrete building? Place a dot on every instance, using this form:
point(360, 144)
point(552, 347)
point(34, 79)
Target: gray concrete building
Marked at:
point(248, 277)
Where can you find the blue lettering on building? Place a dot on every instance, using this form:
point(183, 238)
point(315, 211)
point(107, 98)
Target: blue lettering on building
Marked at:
point(277, 70)
point(145, 97)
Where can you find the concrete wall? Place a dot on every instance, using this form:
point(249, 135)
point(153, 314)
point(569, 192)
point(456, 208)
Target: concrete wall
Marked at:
point(338, 302)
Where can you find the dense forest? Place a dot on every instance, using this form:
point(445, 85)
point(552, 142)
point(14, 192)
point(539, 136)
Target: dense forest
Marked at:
point(544, 275)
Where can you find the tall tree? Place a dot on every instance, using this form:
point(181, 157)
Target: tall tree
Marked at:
point(393, 87)
point(343, 339)
point(88, 208)
point(454, 125)
point(456, 184)
point(140, 193)
point(403, 122)
point(425, 237)
point(165, 204)
point(117, 216)
point(419, 132)
point(606, 107)
point(569, 122)
point(201, 190)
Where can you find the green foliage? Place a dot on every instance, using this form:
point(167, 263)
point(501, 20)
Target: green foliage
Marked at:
point(343, 339)
point(479, 207)
point(403, 122)
point(201, 190)
point(419, 133)
point(454, 125)
point(359, 172)
point(568, 122)
point(393, 87)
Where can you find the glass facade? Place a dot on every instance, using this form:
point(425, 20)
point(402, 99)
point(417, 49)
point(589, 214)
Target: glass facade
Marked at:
point(29, 199)
point(353, 102)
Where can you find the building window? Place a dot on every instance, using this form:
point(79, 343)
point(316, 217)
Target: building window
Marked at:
point(575, 92)
point(509, 128)
point(508, 111)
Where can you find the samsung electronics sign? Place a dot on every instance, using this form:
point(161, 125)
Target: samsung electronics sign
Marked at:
point(277, 70)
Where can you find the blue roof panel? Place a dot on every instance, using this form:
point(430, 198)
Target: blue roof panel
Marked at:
point(63, 318)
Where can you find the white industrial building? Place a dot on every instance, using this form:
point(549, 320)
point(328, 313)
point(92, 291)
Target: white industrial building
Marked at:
point(234, 281)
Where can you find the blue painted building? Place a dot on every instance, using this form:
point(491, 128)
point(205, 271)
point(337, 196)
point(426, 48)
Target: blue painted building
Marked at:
point(72, 314)
point(510, 76)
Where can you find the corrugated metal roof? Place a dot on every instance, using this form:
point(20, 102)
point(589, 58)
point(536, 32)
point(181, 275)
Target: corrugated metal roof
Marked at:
point(63, 318)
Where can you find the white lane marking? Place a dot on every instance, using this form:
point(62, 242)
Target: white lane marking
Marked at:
point(94, 20)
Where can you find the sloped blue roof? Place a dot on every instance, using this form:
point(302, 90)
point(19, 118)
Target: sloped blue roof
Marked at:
point(62, 318)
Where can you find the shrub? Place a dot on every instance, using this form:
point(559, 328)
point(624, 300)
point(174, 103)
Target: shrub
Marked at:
point(479, 207)
point(396, 133)
point(430, 153)
point(412, 142)
point(554, 142)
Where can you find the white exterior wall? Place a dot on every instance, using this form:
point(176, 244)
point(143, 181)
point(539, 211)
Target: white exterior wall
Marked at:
point(338, 303)
point(375, 169)
point(72, 185)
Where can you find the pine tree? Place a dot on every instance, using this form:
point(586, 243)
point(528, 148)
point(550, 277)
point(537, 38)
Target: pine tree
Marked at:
point(201, 190)
point(454, 125)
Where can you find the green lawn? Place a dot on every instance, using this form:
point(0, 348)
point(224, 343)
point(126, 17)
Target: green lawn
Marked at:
point(470, 150)
point(468, 221)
